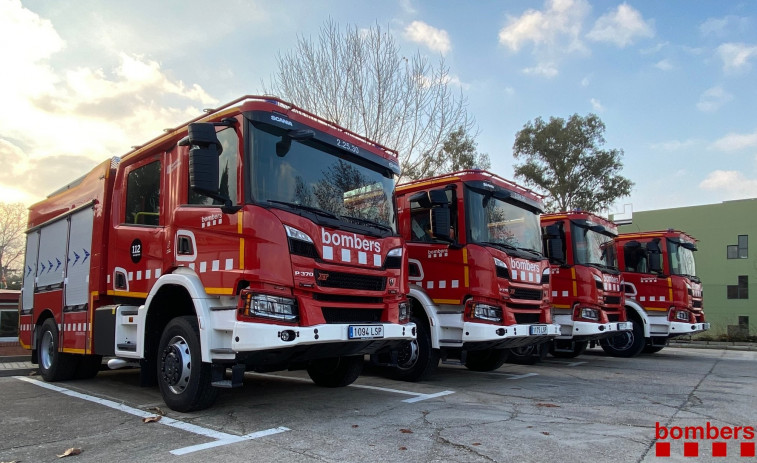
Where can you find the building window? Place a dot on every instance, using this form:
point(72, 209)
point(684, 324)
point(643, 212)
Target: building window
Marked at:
point(740, 291)
point(9, 324)
point(741, 250)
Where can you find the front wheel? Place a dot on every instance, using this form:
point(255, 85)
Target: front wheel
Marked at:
point(486, 360)
point(416, 359)
point(183, 379)
point(53, 364)
point(335, 372)
point(528, 355)
point(626, 344)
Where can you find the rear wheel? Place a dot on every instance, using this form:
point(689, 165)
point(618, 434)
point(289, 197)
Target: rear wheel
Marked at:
point(528, 355)
point(335, 372)
point(53, 365)
point(183, 379)
point(417, 359)
point(567, 350)
point(486, 360)
point(626, 344)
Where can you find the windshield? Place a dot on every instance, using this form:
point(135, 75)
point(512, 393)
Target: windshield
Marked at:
point(492, 220)
point(681, 259)
point(317, 176)
point(592, 247)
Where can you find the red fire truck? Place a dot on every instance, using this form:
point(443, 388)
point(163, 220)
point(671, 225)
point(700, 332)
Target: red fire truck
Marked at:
point(479, 283)
point(256, 237)
point(587, 287)
point(663, 294)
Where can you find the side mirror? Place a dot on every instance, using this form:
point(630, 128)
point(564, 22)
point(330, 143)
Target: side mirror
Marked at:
point(204, 167)
point(203, 158)
point(440, 223)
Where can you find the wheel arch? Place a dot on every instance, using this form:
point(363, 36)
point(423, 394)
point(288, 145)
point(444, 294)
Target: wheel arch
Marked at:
point(635, 311)
point(422, 303)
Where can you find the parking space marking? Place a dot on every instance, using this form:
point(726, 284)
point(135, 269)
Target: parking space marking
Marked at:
point(419, 396)
point(567, 364)
point(222, 438)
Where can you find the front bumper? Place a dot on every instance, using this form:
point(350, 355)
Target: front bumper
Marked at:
point(483, 335)
point(678, 328)
point(257, 337)
point(588, 331)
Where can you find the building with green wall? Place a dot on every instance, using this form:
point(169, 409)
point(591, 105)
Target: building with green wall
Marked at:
point(724, 261)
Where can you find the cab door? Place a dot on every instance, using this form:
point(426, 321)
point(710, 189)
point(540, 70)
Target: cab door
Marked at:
point(135, 256)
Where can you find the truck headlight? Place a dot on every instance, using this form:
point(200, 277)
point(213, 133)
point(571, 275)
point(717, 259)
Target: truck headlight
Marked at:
point(682, 315)
point(404, 312)
point(276, 307)
point(589, 314)
point(487, 312)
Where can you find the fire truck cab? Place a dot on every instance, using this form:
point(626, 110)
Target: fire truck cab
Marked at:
point(256, 237)
point(479, 283)
point(587, 287)
point(663, 295)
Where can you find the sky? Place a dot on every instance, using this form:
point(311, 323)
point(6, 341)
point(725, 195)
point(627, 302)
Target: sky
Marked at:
point(82, 81)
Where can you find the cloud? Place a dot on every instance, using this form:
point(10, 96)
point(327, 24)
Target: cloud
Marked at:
point(713, 99)
point(548, 70)
point(736, 56)
point(433, 38)
point(664, 65)
point(731, 182)
point(557, 27)
point(621, 27)
point(596, 105)
point(735, 142)
point(674, 145)
point(65, 120)
point(721, 27)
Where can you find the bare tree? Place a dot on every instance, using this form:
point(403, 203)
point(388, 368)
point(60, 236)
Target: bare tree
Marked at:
point(12, 227)
point(358, 79)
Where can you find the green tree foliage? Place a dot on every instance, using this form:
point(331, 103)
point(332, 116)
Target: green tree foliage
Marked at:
point(458, 152)
point(358, 78)
point(564, 159)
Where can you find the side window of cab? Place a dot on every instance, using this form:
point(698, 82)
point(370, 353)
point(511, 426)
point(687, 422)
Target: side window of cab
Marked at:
point(143, 195)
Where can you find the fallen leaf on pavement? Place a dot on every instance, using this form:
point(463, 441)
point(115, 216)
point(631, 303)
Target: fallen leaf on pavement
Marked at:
point(70, 452)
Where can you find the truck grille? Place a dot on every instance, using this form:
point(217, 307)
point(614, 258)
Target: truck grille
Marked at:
point(613, 317)
point(338, 315)
point(528, 294)
point(612, 300)
point(526, 318)
point(349, 281)
point(697, 304)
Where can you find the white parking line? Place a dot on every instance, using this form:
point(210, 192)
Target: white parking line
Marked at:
point(222, 438)
point(567, 364)
point(419, 396)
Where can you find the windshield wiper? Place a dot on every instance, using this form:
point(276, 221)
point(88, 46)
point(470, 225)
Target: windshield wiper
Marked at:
point(362, 221)
point(312, 209)
point(495, 244)
point(533, 251)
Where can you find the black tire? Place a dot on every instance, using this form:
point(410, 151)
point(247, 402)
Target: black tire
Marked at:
point(183, 379)
point(528, 355)
point(649, 349)
point(335, 372)
point(53, 365)
point(486, 360)
point(417, 359)
point(579, 347)
point(627, 344)
point(89, 366)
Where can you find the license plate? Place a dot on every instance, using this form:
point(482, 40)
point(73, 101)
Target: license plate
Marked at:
point(625, 326)
point(365, 331)
point(537, 329)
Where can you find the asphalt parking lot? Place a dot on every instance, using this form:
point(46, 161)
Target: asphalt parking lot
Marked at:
point(591, 408)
